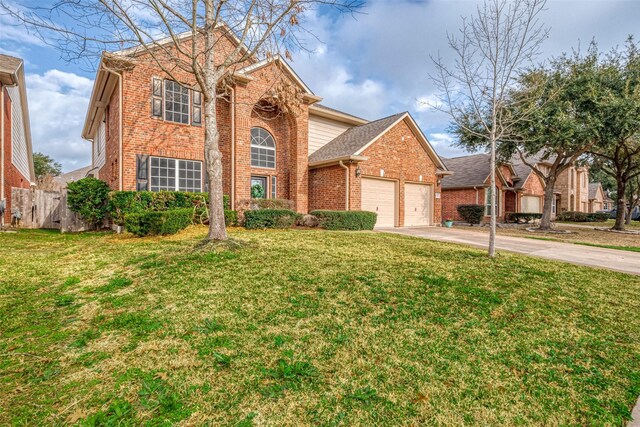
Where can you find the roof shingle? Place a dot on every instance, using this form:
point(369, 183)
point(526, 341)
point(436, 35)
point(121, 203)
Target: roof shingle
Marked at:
point(468, 171)
point(353, 140)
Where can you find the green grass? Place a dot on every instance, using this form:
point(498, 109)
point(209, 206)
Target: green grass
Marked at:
point(596, 245)
point(635, 225)
point(621, 248)
point(302, 328)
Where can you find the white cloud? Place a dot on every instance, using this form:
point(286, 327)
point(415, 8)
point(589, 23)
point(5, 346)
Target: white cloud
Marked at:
point(57, 105)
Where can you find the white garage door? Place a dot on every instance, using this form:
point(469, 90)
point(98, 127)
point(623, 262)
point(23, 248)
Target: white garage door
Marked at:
point(379, 196)
point(417, 205)
point(531, 204)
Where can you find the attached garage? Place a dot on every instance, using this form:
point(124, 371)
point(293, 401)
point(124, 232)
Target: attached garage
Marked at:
point(417, 205)
point(379, 196)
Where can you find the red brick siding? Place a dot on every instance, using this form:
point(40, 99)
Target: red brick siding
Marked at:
point(327, 188)
point(12, 176)
point(144, 134)
point(402, 160)
point(452, 198)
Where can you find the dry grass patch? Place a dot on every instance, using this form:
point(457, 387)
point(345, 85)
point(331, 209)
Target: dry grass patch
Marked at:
point(577, 235)
point(308, 328)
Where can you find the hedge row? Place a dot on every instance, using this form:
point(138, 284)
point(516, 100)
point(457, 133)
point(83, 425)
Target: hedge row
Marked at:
point(158, 222)
point(345, 220)
point(121, 203)
point(521, 217)
point(472, 214)
point(572, 216)
point(270, 218)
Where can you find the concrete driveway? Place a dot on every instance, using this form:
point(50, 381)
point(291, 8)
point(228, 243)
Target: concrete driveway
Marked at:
point(624, 261)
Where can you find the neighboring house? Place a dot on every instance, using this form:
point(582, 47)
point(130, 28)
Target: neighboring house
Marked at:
point(16, 155)
point(596, 197)
point(518, 189)
point(572, 188)
point(608, 203)
point(62, 180)
point(147, 133)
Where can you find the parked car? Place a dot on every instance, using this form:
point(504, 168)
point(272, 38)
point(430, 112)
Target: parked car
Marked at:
point(635, 214)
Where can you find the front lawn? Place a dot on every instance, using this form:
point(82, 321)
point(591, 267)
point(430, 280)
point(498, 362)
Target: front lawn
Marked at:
point(635, 225)
point(308, 328)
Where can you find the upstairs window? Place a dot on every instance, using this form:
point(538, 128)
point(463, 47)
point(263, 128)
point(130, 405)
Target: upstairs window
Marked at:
point(263, 149)
point(175, 103)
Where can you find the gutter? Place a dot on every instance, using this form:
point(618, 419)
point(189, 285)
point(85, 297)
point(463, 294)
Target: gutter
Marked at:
point(337, 160)
point(346, 191)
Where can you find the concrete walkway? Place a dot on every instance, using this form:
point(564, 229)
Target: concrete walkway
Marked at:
point(624, 261)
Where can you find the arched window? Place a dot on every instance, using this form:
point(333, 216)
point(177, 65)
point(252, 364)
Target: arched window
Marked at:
point(263, 149)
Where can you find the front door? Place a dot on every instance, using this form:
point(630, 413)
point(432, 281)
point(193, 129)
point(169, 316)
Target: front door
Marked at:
point(258, 187)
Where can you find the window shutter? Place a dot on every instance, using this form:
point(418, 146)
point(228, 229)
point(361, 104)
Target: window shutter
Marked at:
point(156, 97)
point(196, 114)
point(142, 172)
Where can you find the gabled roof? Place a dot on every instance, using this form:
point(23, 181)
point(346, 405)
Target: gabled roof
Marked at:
point(12, 74)
point(593, 190)
point(468, 171)
point(72, 176)
point(354, 141)
point(246, 71)
point(9, 66)
point(324, 111)
point(474, 170)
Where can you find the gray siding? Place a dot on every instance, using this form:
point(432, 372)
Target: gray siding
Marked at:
point(19, 149)
point(99, 146)
point(323, 130)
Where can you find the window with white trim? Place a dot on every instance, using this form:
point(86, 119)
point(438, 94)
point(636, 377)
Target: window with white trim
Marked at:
point(273, 188)
point(263, 149)
point(175, 175)
point(176, 102)
point(487, 209)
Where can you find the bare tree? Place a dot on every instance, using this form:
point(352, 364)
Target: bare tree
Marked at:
point(181, 36)
point(490, 50)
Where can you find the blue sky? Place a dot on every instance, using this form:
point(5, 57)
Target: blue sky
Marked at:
point(373, 65)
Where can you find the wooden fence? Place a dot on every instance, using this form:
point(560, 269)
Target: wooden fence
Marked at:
point(45, 209)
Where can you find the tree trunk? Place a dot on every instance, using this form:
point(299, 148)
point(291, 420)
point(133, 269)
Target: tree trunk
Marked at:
point(545, 221)
point(492, 230)
point(622, 205)
point(212, 154)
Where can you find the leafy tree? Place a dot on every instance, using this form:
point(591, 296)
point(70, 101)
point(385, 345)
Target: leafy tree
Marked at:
point(597, 174)
point(560, 101)
point(491, 48)
point(618, 153)
point(45, 165)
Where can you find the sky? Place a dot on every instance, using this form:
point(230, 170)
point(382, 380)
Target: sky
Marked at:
point(373, 64)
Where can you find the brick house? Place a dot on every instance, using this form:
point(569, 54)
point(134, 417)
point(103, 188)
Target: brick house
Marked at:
point(572, 186)
point(596, 197)
point(16, 156)
point(518, 189)
point(147, 134)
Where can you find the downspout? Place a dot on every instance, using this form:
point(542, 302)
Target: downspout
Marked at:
point(120, 125)
point(346, 191)
point(120, 154)
point(233, 149)
point(477, 197)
